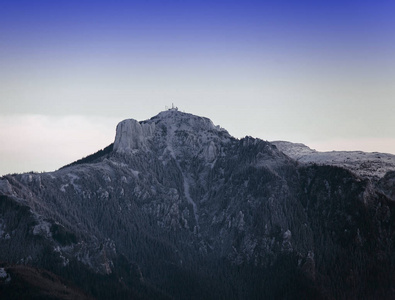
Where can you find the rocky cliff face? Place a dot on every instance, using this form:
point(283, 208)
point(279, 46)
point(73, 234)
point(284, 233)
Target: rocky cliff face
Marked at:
point(178, 208)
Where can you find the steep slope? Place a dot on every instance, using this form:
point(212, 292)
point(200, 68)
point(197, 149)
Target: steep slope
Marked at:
point(23, 282)
point(178, 208)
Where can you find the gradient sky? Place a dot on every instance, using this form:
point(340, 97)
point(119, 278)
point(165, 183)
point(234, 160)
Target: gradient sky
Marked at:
point(317, 72)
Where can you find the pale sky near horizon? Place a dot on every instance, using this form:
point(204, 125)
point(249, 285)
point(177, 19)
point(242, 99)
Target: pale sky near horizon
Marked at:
point(322, 74)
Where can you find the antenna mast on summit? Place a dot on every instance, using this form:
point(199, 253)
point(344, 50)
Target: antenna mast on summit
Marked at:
point(173, 107)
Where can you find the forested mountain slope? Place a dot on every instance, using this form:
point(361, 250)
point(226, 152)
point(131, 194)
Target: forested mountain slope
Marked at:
point(176, 208)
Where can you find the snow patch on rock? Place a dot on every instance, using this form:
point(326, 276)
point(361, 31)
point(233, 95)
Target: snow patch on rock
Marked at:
point(4, 276)
point(3, 273)
point(365, 164)
point(43, 228)
point(5, 187)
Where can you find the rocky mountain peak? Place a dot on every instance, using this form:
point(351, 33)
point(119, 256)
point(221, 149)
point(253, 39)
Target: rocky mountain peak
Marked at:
point(172, 130)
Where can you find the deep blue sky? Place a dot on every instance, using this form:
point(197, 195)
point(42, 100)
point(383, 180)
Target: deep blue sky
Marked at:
point(317, 72)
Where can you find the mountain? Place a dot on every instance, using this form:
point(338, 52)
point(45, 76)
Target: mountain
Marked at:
point(177, 208)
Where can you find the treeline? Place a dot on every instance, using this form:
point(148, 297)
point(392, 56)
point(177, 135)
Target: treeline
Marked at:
point(93, 157)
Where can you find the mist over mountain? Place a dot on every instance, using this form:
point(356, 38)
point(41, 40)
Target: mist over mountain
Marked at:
point(177, 208)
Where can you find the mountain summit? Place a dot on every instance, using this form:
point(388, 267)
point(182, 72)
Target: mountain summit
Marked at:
point(174, 130)
point(176, 208)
